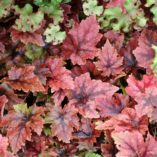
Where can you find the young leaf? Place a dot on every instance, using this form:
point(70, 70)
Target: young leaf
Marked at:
point(91, 154)
point(153, 8)
point(124, 19)
point(24, 79)
point(33, 51)
point(20, 124)
point(5, 7)
point(109, 62)
point(54, 35)
point(25, 23)
point(52, 9)
point(80, 43)
point(92, 8)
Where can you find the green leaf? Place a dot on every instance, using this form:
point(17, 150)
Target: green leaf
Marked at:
point(22, 108)
point(90, 7)
point(33, 51)
point(5, 7)
point(47, 130)
point(25, 23)
point(115, 18)
point(52, 9)
point(153, 9)
point(53, 34)
point(91, 154)
point(149, 3)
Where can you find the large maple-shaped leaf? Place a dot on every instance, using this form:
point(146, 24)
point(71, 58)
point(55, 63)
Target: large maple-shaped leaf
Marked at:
point(128, 120)
point(136, 88)
point(20, 123)
point(80, 43)
point(64, 121)
point(85, 92)
point(144, 92)
point(109, 62)
point(24, 79)
point(132, 144)
point(112, 106)
point(144, 53)
point(60, 77)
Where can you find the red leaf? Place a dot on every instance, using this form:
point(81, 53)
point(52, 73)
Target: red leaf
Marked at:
point(9, 93)
point(27, 37)
point(147, 103)
point(80, 43)
point(115, 38)
point(20, 124)
point(60, 76)
point(136, 88)
point(132, 144)
point(2, 47)
point(129, 59)
point(128, 120)
point(144, 52)
point(3, 101)
point(24, 79)
point(112, 106)
point(3, 144)
point(116, 3)
point(64, 122)
point(109, 62)
point(88, 67)
point(58, 96)
point(85, 93)
point(144, 92)
point(41, 70)
point(107, 150)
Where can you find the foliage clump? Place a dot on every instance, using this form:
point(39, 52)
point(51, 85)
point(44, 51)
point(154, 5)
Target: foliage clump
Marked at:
point(78, 78)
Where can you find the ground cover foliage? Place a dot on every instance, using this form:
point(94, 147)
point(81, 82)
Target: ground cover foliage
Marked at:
point(78, 78)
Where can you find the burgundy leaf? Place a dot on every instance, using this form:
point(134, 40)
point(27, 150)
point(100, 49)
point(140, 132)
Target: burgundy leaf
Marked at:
point(109, 61)
point(20, 125)
point(64, 122)
point(24, 79)
point(60, 77)
point(85, 92)
point(80, 43)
